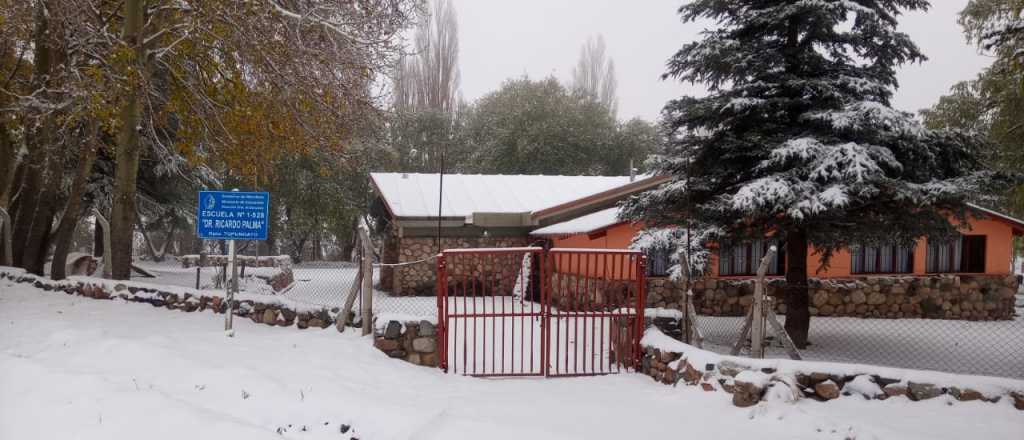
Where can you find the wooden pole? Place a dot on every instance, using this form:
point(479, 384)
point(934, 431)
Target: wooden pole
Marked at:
point(367, 274)
point(758, 312)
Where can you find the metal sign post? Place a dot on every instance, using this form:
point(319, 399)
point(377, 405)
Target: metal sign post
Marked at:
point(232, 215)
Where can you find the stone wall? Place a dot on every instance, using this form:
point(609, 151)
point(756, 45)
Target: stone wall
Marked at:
point(412, 341)
point(421, 278)
point(750, 383)
point(194, 260)
point(272, 311)
point(576, 292)
point(967, 297)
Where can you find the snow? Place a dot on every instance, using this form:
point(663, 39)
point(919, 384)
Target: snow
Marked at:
point(415, 195)
point(695, 356)
point(79, 368)
point(755, 378)
point(864, 386)
point(582, 225)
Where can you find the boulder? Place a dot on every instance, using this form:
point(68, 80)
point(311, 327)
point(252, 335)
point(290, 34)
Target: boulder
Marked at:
point(923, 391)
point(894, 389)
point(876, 298)
point(827, 390)
point(393, 330)
point(425, 344)
point(746, 394)
point(427, 328)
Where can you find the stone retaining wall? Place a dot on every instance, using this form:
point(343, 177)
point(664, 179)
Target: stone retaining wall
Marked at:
point(421, 278)
point(967, 297)
point(271, 312)
point(194, 260)
point(412, 341)
point(749, 385)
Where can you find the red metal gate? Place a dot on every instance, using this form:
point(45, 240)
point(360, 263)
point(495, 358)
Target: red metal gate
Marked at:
point(530, 312)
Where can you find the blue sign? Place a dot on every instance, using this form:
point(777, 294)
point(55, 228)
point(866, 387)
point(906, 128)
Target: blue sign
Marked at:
point(233, 215)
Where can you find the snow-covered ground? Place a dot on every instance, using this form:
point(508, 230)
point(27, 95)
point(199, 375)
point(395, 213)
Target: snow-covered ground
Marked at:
point(73, 367)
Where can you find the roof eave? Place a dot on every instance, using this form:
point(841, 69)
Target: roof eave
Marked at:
point(627, 189)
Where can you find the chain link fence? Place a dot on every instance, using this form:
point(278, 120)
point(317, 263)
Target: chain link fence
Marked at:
point(404, 306)
point(991, 348)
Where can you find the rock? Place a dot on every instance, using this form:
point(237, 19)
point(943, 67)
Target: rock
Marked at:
point(316, 322)
point(302, 325)
point(894, 389)
point(398, 354)
point(428, 359)
point(269, 316)
point(746, 394)
point(923, 391)
point(413, 358)
point(1018, 400)
point(820, 298)
point(827, 390)
point(876, 298)
point(424, 345)
point(427, 328)
point(858, 297)
point(393, 330)
point(668, 356)
point(385, 344)
point(690, 374)
point(966, 395)
point(119, 287)
point(707, 387)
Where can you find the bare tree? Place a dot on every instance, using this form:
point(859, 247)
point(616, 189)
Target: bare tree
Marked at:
point(594, 74)
point(429, 79)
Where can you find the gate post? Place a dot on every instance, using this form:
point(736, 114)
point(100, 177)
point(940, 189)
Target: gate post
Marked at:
point(641, 309)
point(442, 313)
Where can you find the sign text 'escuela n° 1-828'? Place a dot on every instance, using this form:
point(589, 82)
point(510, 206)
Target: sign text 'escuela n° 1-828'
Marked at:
point(232, 215)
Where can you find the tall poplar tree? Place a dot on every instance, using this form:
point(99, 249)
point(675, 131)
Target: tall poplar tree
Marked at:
point(797, 137)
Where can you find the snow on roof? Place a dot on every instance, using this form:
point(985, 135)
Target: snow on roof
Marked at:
point(415, 195)
point(582, 225)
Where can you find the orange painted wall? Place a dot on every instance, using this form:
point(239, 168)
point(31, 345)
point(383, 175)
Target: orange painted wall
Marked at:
point(615, 237)
point(998, 249)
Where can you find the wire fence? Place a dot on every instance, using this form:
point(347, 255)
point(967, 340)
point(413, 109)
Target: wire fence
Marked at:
point(991, 348)
point(405, 306)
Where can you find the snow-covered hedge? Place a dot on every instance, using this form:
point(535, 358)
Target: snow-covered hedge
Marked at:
point(750, 381)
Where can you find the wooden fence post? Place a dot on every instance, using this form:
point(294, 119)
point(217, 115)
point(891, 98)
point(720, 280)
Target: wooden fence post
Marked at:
point(367, 272)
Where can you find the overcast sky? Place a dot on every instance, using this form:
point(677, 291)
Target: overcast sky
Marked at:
point(503, 39)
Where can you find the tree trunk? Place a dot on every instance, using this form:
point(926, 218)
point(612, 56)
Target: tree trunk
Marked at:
point(73, 210)
point(37, 241)
point(97, 239)
point(122, 216)
point(8, 164)
point(798, 312)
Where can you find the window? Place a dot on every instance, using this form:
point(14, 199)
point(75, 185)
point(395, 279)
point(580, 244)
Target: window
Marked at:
point(743, 259)
point(965, 254)
point(881, 259)
point(658, 261)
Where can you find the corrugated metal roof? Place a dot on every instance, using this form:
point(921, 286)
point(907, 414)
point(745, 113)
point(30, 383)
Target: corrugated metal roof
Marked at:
point(582, 225)
point(415, 195)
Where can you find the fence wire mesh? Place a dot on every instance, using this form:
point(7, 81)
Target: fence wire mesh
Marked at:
point(991, 348)
point(405, 306)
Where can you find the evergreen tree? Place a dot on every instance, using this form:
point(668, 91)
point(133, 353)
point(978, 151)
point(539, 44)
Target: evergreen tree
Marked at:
point(797, 138)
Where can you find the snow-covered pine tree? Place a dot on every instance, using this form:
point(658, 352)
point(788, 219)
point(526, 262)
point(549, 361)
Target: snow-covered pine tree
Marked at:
point(797, 137)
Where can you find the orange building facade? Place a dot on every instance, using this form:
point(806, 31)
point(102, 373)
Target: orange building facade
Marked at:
point(996, 234)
